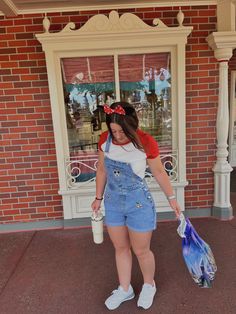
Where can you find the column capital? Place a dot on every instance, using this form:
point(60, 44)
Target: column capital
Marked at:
point(223, 54)
point(223, 44)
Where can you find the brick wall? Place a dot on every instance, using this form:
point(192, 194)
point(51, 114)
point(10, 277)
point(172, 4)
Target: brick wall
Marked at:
point(28, 174)
point(201, 108)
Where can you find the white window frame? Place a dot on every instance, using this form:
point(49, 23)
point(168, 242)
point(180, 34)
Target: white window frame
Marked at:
point(113, 35)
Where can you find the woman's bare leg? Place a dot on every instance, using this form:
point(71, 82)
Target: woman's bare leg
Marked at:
point(120, 238)
point(140, 242)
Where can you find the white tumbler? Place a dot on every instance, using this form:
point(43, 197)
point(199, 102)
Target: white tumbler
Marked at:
point(97, 227)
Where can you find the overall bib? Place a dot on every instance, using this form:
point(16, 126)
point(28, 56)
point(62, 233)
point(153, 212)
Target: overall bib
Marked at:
point(127, 199)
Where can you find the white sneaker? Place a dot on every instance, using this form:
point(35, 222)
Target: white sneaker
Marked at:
point(146, 296)
point(118, 296)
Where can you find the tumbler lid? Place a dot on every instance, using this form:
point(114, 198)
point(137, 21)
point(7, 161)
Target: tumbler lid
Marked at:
point(97, 216)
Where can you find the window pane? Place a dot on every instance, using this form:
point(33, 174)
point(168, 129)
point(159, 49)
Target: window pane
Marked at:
point(88, 84)
point(145, 81)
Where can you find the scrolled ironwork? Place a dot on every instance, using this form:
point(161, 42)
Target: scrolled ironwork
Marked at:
point(81, 169)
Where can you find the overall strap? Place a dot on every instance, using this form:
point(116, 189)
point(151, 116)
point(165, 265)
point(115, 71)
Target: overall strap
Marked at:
point(108, 143)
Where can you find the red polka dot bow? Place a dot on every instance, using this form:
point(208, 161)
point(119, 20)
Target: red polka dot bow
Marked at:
point(118, 110)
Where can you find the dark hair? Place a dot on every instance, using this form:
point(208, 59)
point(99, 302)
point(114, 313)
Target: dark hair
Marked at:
point(128, 122)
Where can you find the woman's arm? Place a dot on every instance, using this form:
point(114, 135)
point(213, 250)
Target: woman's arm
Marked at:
point(101, 179)
point(162, 178)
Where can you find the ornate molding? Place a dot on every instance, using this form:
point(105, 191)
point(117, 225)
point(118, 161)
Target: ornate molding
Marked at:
point(222, 40)
point(114, 23)
point(127, 27)
point(223, 44)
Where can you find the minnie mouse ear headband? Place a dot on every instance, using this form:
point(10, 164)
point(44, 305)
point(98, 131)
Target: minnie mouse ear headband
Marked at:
point(119, 110)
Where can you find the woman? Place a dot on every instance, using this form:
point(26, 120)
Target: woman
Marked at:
point(130, 215)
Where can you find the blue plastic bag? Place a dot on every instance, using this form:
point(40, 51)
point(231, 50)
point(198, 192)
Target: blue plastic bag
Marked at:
point(197, 254)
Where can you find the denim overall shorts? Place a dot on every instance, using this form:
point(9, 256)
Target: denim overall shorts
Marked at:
point(127, 199)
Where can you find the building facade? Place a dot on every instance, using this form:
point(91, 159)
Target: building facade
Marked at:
point(180, 84)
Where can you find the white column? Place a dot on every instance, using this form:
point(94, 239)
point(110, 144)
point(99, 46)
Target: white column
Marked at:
point(222, 207)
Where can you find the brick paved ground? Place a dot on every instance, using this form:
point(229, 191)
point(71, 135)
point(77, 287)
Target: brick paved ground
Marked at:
point(63, 272)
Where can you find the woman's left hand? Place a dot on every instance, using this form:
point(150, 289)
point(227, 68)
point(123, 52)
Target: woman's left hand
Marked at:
point(176, 208)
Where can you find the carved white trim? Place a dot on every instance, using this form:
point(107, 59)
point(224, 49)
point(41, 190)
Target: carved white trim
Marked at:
point(102, 24)
point(222, 40)
point(114, 23)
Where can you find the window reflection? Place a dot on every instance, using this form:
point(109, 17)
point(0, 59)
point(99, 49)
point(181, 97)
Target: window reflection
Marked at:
point(145, 81)
point(88, 84)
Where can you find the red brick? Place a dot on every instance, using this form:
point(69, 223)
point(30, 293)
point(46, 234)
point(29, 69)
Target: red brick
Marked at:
point(207, 79)
point(20, 71)
point(23, 21)
point(207, 13)
point(21, 205)
point(28, 211)
point(45, 209)
point(25, 49)
point(6, 85)
point(23, 97)
point(11, 212)
point(18, 57)
point(30, 77)
point(5, 71)
point(9, 64)
point(200, 87)
point(6, 218)
point(22, 217)
point(11, 78)
point(37, 216)
point(17, 43)
point(15, 29)
point(10, 201)
point(200, 47)
point(3, 44)
point(6, 37)
point(13, 92)
point(37, 56)
point(6, 22)
point(53, 215)
point(207, 66)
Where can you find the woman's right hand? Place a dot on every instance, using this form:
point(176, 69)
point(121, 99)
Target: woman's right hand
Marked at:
point(176, 208)
point(96, 205)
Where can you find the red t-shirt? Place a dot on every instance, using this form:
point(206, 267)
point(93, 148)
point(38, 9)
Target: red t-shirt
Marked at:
point(149, 144)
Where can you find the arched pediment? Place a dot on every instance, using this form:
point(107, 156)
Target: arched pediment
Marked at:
point(120, 25)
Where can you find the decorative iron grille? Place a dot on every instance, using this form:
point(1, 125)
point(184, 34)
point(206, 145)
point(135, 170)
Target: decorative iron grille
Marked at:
point(81, 169)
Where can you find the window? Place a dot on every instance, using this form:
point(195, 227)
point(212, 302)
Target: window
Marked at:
point(89, 83)
point(114, 58)
point(143, 80)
